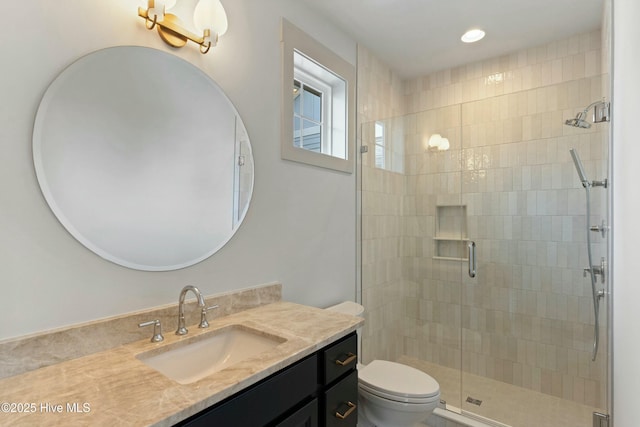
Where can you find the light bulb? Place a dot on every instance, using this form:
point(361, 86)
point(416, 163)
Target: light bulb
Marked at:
point(444, 144)
point(209, 14)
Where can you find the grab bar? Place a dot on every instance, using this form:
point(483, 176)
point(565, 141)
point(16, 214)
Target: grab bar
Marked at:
point(472, 259)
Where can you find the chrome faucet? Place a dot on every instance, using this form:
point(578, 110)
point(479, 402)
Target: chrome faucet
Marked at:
point(182, 330)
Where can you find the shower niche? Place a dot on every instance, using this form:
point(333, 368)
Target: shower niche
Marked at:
point(451, 233)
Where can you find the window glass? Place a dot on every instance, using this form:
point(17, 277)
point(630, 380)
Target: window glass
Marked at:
point(312, 104)
point(307, 117)
point(297, 136)
point(389, 146)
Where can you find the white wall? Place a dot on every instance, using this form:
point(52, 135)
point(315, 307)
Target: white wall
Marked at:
point(626, 223)
point(300, 228)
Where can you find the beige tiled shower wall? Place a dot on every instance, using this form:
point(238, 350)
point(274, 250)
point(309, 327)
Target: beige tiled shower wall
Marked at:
point(527, 318)
point(380, 95)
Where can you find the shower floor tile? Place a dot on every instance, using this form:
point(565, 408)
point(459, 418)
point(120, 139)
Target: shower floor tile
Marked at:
point(505, 403)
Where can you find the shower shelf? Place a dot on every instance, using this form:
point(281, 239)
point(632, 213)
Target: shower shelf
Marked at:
point(446, 258)
point(448, 252)
point(450, 233)
point(452, 239)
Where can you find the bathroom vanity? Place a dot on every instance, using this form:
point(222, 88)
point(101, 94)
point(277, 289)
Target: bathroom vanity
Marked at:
point(320, 390)
point(308, 379)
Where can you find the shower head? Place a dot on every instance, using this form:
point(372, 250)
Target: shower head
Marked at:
point(579, 121)
point(600, 114)
point(579, 167)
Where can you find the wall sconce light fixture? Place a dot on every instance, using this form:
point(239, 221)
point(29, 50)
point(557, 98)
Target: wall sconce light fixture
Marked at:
point(209, 18)
point(437, 142)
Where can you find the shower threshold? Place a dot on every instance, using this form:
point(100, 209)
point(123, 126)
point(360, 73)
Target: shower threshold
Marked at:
point(467, 419)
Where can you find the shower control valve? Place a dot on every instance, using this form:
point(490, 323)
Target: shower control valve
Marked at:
point(602, 228)
point(597, 270)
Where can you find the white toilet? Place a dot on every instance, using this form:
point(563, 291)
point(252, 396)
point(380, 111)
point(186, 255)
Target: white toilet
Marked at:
point(391, 394)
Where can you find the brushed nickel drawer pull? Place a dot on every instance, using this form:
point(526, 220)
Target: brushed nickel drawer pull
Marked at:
point(352, 407)
point(350, 358)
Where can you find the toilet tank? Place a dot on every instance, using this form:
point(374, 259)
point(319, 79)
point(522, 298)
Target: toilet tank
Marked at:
point(348, 307)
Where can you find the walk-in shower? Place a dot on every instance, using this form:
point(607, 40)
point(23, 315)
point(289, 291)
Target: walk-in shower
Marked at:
point(516, 343)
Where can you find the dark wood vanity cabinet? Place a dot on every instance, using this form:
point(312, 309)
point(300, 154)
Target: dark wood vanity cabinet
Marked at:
point(339, 383)
point(319, 390)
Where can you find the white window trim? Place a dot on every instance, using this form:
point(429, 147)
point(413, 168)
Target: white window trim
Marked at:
point(292, 39)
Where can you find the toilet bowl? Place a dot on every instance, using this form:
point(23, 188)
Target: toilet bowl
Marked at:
point(391, 394)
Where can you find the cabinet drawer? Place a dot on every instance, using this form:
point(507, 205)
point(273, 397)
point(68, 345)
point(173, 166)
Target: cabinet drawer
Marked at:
point(340, 358)
point(340, 403)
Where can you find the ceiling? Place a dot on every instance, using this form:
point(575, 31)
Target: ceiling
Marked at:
point(417, 37)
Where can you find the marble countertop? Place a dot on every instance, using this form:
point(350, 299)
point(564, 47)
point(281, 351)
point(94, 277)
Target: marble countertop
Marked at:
point(114, 388)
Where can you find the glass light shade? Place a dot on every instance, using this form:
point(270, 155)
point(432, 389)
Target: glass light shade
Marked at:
point(444, 144)
point(160, 7)
point(434, 140)
point(210, 14)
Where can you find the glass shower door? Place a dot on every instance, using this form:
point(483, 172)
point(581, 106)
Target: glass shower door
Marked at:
point(414, 244)
point(527, 317)
point(435, 236)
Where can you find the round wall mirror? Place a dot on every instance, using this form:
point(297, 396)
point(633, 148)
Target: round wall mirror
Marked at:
point(143, 158)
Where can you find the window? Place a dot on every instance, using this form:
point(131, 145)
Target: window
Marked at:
point(389, 144)
point(319, 116)
point(318, 103)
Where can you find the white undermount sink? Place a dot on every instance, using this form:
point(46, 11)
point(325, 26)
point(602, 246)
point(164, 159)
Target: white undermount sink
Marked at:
point(193, 359)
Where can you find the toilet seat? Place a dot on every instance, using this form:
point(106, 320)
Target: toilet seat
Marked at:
point(397, 382)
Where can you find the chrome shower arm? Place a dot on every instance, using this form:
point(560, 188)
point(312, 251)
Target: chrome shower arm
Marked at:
point(593, 104)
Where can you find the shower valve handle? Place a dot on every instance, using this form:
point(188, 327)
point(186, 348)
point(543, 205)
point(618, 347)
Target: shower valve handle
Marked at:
point(597, 270)
point(602, 228)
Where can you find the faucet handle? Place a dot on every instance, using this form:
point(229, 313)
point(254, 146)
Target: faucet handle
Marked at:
point(157, 329)
point(203, 316)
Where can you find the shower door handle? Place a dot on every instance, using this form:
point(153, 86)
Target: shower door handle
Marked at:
point(472, 258)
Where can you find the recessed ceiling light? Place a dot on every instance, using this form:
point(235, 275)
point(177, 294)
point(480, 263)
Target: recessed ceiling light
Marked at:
point(472, 35)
